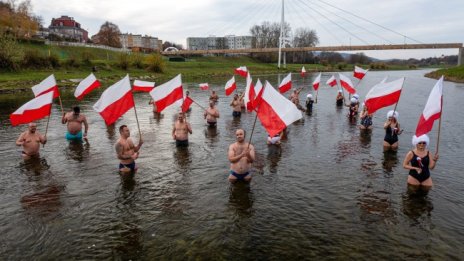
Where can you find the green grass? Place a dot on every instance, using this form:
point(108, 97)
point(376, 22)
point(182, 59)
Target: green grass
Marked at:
point(454, 74)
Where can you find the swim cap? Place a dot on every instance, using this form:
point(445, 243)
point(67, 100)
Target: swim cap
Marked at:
point(421, 138)
point(309, 96)
point(353, 100)
point(356, 96)
point(390, 114)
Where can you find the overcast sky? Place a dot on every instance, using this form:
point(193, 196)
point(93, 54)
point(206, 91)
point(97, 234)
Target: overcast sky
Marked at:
point(336, 22)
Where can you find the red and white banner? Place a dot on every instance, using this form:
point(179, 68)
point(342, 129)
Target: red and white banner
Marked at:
point(168, 93)
point(242, 71)
point(383, 94)
point(86, 86)
point(143, 86)
point(432, 110)
point(230, 86)
point(115, 101)
point(286, 84)
point(303, 72)
point(258, 91)
point(359, 72)
point(346, 83)
point(332, 81)
point(316, 82)
point(35, 109)
point(275, 111)
point(49, 84)
point(203, 86)
point(250, 94)
point(186, 104)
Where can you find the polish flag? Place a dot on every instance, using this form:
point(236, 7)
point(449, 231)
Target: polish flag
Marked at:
point(258, 91)
point(49, 84)
point(186, 104)
point(303, 72)
point(230, 86)
point(286, 84)
point(86, 86)
point(275, 111)
point(359, 72)
point(432, 110)
point(383, 94)
point(332, 81)
point(316, 82)
point(168, 93)
point(115, 101)
point(35, 109)
point(143, 86)
point(347, 84)
point(204, 86)
point(250, 93)
point(242, 71)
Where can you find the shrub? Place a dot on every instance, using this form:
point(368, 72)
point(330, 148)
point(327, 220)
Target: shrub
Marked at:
point(137, 60)
point(72, 61)
point(155, 63)
point(341, 66)
point(11, 53)
point(54, 61)
point(123, 61)
point(34, 59)
point(87, 57)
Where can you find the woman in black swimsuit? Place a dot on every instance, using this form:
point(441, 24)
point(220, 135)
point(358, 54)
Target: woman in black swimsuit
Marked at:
point(392, 130)
point(420, 161)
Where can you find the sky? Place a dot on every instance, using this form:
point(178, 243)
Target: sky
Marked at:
point(336, 22)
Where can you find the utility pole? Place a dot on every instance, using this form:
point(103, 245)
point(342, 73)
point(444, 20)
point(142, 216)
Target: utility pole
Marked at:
point(281, 35)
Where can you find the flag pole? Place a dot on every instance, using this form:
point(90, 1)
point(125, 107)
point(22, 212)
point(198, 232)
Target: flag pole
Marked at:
point(46, 129)
point(137, 118)
point(316, 94)
point(439, 125)
point(198, 104)
point(254, 123)
point(394, 109)
point(61, 104)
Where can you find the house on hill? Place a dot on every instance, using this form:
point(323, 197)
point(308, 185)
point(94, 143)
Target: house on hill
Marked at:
point(67, 28)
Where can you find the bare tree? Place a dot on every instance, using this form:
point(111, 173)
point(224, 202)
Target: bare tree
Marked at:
point(108, 35)
point(267, 35)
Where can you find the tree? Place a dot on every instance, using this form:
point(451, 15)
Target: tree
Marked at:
point(18, 19)
point(304, 37)
point(108, 35)
point(267, 35)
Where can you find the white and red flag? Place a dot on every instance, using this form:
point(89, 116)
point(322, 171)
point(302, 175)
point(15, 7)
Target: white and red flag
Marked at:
point(383, 94)
point(86, 86)
point(203, 86)
point(303, 72)
point(168, 93)
point(242, 71)
point(346, 83)
point(230, 86)
point(275, 111)
point(250, 93)
point(186, 104)
point(143, 86)
point(316, 82)
point(286, 84)
point(35, 109)
point(115, 101)
point(359, 72)
point(332, 81)
point(49, 84)
point(432, 110)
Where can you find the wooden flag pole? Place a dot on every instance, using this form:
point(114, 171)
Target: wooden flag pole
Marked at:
point(61, 104)
point(137, 118)
point(439, 126)
point(254, 123)
point(46, 128)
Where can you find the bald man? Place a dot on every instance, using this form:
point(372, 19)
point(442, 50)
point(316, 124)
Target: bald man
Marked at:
point(30, 140)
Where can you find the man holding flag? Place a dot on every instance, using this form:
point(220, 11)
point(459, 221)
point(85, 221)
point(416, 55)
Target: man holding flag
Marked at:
point(30, 140)
point(241, 154)
point(126, 151)
point(74, 121)
point(181, 130)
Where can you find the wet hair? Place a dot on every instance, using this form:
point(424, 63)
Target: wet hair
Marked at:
point(122, 127)
point(77, 109)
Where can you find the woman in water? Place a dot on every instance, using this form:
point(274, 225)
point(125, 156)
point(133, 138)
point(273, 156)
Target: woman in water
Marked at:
point(366, 119)
point(420, 161)
point(392, 130)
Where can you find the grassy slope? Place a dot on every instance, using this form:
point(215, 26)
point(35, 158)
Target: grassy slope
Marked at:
point(454, 74)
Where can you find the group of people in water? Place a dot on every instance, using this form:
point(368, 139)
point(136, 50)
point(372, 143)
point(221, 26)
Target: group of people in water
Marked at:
point(241, 154)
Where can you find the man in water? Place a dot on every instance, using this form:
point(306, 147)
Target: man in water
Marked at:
point(31, 140)
point(211, 115)
point(237, 106)
point(74, 121)
point(181, 130)
point(214, 97)
point(126, 151)
point(241, 155)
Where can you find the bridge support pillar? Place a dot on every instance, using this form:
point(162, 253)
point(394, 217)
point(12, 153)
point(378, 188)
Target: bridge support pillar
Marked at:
point(461, 56)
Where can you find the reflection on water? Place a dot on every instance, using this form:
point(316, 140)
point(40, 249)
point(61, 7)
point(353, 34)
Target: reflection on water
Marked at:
point(211, 133)
point(365, 137)
point(376, 206)
point(111, 131)
point(274, 155)
point(77, 150)
point(241, 199)
point(390, 160)
point(417, 205)
point(182, 157)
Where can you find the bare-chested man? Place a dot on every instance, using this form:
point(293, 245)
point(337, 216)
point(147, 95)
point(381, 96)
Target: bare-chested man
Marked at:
point(181, 130)
point(126, 151)
point(74, 121)
point(31, 140)
point(155, 109)
point(211, 115)
point(240, 156)
point(237, 106)
point(213, 97)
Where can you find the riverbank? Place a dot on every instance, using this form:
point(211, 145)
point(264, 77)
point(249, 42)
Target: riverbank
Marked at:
point(454, 74)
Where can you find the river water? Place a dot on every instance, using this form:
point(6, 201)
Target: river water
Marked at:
point(326, 193)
